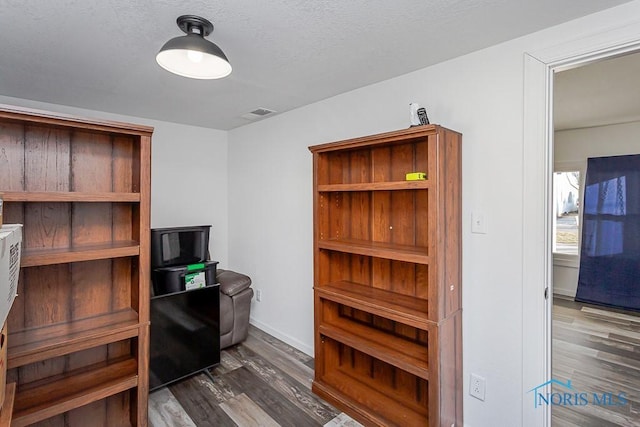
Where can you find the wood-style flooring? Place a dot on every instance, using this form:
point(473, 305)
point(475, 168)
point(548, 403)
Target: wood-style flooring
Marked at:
point(598, 349)
point(260, 382)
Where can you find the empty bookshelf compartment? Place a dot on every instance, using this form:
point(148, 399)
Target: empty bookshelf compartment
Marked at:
point(59, 159)
point(374, 164)
point(72, 232)
point(400, 277)
point(109, 411)
point(389, 219)
point(395, 343)
point(70, 292)
point(396, 396)
point(81, 378)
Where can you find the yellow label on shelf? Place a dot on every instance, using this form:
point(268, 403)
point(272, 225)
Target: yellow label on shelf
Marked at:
point(416, 176)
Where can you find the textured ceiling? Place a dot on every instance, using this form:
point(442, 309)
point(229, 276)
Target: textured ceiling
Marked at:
point(285, 53)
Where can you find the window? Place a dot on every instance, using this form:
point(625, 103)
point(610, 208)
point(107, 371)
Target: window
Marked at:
point(566, 206)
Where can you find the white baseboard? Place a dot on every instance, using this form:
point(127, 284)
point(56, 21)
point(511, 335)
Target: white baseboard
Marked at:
point(306, 349)
point(571, 293)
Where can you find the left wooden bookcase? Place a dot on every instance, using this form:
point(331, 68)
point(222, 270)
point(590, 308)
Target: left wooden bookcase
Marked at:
point(79, 327)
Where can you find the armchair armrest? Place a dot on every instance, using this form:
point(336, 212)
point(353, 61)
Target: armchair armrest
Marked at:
point(232, 283)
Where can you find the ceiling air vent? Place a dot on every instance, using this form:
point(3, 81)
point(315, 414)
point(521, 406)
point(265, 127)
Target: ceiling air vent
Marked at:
point(258, 113)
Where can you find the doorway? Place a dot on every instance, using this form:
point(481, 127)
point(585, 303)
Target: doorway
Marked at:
point(595, 352)
point(537, 265)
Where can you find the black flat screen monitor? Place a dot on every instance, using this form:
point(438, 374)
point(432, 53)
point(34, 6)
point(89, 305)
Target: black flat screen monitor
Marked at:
point(175, 246)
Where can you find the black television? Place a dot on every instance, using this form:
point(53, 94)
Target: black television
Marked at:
point(174, 246)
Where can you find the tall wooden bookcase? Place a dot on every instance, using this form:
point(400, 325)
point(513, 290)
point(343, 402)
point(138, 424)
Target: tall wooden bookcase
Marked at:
point(387, 277)
point(78, 344)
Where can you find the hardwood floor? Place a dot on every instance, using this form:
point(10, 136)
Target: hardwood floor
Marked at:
point(261, 382)
point(265, 382)
point(598, 349)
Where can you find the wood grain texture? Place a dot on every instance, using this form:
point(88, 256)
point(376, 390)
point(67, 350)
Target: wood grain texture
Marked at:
point(401, 242)
point(47, 157)
point(598, 349)
point(11, 156)
point(248, 388)
point(32, 115)
point(41, 400)
point(286, 386)
point(199, 398)
point(7, 405)
point(452, 289)
point(242, 381)
point(59, 338)
point(50, 226)
point(166, 411)
point(78, 196)
point(244, 412)
point(383, 250)
point(87, 252)
point(401, 308)
point(46, 169)
point(41, 286)
point(406, 355)
point(369, 186)
point(82, 190)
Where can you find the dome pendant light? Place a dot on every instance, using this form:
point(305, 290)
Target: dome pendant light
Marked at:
point(192, 55)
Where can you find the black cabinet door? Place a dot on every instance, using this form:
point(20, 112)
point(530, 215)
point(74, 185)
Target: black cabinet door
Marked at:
point(185, 334)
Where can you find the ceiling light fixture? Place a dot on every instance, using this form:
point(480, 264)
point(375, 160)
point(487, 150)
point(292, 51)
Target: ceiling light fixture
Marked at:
point(192, 55)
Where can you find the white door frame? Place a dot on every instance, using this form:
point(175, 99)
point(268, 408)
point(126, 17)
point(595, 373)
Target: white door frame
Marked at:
point(537, 261)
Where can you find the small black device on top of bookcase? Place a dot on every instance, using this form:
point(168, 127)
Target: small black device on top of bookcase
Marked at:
point(422, 116)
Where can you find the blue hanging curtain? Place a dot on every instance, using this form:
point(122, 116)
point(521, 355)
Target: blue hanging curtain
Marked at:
point(610, 252)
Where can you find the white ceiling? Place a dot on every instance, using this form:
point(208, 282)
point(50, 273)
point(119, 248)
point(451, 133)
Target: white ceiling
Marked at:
point(601, 93)
point(100, 54)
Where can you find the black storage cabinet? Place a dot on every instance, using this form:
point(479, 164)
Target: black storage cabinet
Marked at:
point(185, 334)
point(185, 324)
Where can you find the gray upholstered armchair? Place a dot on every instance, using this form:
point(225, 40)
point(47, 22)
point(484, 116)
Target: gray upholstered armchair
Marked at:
point(235, 303)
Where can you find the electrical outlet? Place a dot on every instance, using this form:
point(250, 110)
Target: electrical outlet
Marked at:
point(477, 386)
point(258, 295)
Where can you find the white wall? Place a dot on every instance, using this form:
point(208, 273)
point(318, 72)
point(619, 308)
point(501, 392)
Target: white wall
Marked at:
point(270, 205)
point(575, 146)
point(481, 95)
point(188, 173)
point(579, 144)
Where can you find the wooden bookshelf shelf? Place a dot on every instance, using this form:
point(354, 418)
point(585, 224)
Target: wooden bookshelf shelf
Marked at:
point(405, 309)
point(375, 186)
point(80, 197)
point(401, 353)
point(387, 409)
point(37, 402)
point(40, 257)
point(391, 251)
point(34, 345)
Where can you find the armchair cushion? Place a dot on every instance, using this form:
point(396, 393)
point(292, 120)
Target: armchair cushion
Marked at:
point(232, 283)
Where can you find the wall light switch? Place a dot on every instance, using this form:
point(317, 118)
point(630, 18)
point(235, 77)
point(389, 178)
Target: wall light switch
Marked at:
point(478, 222)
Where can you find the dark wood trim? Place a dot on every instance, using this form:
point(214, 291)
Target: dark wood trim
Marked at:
point(66, 120)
